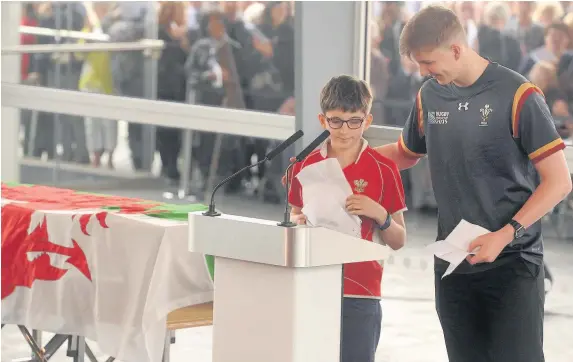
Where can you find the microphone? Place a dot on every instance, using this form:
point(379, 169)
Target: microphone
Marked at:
point(314, 144)
point(301, 156)
point(272, 154)
point(289, 141)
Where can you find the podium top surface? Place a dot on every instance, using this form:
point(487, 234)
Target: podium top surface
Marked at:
point(263, 241)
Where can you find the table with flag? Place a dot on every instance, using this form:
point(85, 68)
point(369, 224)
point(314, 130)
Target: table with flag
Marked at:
point(104, 267)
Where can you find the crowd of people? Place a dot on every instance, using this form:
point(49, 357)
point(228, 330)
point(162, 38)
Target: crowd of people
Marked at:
point(241, 55)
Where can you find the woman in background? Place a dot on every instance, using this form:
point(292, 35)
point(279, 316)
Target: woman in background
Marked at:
point(171, 80)
point(101, 134)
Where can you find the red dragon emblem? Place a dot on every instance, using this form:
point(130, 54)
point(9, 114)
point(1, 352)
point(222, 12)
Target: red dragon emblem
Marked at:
point(26, 256)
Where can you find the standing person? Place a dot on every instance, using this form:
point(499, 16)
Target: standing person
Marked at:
point(378, 199)
point(496, 160)
point(101, 134)
point(171, 81)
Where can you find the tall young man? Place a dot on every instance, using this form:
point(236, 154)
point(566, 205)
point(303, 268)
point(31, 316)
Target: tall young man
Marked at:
point(496, 160)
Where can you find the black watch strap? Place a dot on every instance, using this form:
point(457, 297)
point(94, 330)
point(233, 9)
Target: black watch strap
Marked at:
point(519, 229)
point(386, 224)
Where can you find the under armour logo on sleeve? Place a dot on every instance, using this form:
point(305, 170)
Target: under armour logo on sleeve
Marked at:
point(464, 106)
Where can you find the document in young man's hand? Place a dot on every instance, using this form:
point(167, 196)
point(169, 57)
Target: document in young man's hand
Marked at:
point(324, 191)
point(454, 248)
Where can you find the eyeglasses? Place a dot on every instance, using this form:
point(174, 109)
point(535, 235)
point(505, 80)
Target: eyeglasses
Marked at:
point(352, 123)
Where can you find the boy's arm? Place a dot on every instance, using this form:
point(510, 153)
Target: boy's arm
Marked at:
point(395, 235)
point(295, 197)
point(393, 203)
point(297, 216)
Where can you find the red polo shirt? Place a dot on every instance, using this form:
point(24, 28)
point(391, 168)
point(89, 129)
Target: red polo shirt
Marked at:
point(376, 177)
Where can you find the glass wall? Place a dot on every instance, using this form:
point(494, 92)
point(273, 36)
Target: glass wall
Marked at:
point(219, 54)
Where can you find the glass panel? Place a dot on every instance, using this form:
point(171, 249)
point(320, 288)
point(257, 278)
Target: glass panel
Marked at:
point(250, 66)
point(220, 54)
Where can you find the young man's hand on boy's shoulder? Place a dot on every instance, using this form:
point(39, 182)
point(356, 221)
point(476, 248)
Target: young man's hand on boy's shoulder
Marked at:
point(363, 205)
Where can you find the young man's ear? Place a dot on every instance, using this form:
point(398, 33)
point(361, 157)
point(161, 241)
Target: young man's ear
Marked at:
point(322, 120)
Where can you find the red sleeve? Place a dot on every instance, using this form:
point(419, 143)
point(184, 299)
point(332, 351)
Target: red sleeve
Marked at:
point(393, 199)
point(295, 188)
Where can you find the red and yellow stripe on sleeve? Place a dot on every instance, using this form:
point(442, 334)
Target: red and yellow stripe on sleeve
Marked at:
point(420, 122)
point(408, 152)
point(547, 150)
point(521, 95)
point(420, 113)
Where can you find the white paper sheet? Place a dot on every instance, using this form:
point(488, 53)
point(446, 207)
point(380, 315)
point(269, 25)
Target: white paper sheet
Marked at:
point(324, 191)
point(454, 248)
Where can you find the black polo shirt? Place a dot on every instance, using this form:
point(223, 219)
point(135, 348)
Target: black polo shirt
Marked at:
point(482, 142)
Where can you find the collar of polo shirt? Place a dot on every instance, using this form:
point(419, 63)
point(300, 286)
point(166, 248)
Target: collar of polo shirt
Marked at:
point(324, 149)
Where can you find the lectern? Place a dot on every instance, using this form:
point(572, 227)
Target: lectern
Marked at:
point(277, 290)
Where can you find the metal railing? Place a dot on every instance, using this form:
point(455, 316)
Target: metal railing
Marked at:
point(145, 44)
point(161, 113)
point(63, 33)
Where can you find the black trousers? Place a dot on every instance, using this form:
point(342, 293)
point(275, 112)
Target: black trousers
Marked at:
point(169, 146)
point(361, 327)
point(494, 315)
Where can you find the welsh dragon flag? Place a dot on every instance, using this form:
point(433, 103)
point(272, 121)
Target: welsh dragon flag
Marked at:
point(105, 267)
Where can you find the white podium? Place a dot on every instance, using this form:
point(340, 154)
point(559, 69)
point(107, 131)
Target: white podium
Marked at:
point(277, 290)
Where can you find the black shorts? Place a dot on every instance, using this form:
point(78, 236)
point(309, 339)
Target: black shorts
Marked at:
point(495, 315)
point(361, 326)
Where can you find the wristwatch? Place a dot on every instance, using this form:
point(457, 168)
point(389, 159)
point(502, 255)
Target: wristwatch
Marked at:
point(519, 229)
point(386, 224)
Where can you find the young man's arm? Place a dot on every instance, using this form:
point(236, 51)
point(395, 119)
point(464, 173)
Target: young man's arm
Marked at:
point(411, 145)
point(535, 131)
point(392, 151)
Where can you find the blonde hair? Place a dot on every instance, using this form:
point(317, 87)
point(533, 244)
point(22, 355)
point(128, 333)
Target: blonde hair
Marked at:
point(552, 8)
point(430, 28)
point(568, 20)
point(496, 11)
point(544, 75)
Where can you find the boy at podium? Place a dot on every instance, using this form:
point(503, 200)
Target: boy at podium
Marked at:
point(378, 200)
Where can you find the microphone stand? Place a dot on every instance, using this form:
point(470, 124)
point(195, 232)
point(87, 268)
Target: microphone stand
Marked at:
point(212, 211)
point(286, 218)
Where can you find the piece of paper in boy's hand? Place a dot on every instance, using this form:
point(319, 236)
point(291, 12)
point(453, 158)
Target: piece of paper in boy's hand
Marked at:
point(454, 249)
point(324, 192)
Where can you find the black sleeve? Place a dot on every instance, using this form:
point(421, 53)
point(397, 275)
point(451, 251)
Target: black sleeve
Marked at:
point(533, 125)
point(412, 140)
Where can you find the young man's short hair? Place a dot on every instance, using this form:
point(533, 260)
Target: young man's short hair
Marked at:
point(430, 28)
point(346, 93)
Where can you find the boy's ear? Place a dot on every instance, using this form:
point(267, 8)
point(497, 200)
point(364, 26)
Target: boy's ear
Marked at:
point(322, 120)
point(368, 121)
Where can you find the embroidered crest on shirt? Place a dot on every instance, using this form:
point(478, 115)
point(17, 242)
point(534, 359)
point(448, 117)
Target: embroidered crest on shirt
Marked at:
point(360, 185)
point(485, 112)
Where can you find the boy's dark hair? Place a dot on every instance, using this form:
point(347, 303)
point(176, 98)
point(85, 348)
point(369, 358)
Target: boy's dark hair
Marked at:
point(430, 28)
point(346, 93)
